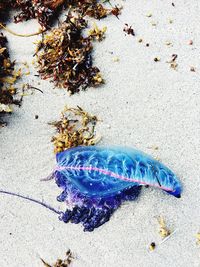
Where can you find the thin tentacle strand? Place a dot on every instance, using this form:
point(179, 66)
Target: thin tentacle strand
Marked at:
point(32, 200)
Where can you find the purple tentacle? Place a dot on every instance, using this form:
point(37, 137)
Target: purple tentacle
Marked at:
point(32, 200)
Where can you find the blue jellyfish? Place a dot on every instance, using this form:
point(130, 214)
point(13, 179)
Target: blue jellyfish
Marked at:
point(96, 180)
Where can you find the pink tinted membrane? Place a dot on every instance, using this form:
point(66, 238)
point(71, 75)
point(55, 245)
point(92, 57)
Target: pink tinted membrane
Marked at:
point(109, 173)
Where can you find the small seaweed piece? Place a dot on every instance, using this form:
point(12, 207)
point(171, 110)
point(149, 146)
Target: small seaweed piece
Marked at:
point(64, 56)
point(172, 61)
point(97, 34)
point(76, 127)
point(96, 10)
point(116, 11)
point(163, 231)
point(129, 30)
point(8, 76)
point(61, 263)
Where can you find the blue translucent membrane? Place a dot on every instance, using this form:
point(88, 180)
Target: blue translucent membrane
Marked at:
point(101, 171)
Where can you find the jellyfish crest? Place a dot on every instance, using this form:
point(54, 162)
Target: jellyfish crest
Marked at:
point(103, 171)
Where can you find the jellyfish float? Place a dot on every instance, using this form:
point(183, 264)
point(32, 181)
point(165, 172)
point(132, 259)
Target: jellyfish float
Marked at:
point(95, 181)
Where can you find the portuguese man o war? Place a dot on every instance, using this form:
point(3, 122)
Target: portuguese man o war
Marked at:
point(96, 180)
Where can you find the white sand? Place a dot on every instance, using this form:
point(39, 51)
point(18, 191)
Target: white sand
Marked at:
point(142, 104)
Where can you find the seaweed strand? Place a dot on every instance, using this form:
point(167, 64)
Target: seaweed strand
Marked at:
point(20, 34)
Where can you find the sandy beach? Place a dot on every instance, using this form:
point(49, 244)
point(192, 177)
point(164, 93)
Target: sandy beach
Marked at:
point(143, 104)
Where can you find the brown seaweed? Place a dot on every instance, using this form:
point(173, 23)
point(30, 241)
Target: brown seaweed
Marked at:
point(61, 263)
point(8, 77)
point(76, 127)
point(46, 11)
point(64, 56)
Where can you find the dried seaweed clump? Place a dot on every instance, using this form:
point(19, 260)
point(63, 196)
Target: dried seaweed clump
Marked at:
point(76, 127)
point(64, 56)
point(61, 263)
point(91, 8)
point(43, 10)
point(47, 10)
point(8, 77)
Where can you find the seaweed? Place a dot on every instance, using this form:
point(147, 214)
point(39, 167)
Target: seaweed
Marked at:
point(42, 10)
point(129, 30)
point(61, 263)
point(8, 76)
point(64, 56)
point(46, 11)
point(76, 127)
point(163, 231)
